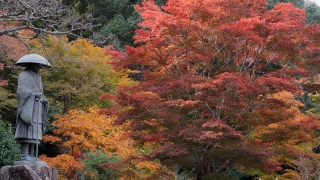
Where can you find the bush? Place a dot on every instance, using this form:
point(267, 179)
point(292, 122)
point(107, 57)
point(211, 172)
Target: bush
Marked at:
point(9, 148)
point(93, 170)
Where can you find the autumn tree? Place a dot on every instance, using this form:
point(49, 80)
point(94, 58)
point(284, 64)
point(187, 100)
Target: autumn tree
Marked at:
point(75, 133)
point(80, 72)
point(210, 76)
point(91, 138)
point(312, 9)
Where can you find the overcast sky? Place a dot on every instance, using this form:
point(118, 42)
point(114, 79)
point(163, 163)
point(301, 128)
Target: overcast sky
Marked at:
point(317, 1)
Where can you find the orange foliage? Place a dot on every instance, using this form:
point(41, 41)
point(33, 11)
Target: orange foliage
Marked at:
point(80, 131)
point(284, 136)
point(51, 139)
point(65, 164)
point(12, 48)
point(87, 131)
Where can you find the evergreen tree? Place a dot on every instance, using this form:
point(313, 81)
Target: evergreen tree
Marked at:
point(116, 19)
point(313, 12)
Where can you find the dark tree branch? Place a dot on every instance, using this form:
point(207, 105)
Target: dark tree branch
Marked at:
point(42, 17)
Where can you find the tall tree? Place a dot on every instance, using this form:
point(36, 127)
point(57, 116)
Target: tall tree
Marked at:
point(118, 21)
point(211, 73)
point(79, 73)
point(115, 20)
point(313, 12)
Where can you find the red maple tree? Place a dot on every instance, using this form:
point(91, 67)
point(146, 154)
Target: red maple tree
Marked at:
point(211, 73)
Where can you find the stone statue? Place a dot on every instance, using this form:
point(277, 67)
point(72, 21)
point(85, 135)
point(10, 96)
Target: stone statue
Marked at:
point(32, 106)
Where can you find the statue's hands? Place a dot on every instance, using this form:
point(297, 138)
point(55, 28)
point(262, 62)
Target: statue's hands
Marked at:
point(45, 101)
point(38, 95)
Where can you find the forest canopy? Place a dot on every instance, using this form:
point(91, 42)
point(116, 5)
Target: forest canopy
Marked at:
point(176, 89)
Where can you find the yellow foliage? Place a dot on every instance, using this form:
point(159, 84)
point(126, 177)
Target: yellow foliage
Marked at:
point(50, 139)
point(85, 130)
point(65, 164)
point(288, 98)
point(88, 130)
point(289, 174)
point(151, 166)
point(80, 71)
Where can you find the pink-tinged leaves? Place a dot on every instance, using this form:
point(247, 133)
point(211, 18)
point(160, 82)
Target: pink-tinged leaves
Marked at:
point(276, 84)
point(212, 73)
point(285, 15)
point(169, 150)
point(3, 83)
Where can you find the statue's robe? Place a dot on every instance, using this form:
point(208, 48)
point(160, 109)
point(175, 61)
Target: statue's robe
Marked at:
point(29, 130)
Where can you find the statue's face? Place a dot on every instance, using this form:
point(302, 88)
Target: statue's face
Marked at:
point(36, 67)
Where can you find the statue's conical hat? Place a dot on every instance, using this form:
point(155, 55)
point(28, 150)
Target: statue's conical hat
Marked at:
point(33, 59)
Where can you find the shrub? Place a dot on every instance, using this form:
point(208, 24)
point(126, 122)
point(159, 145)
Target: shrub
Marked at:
point(92, 168)
point(9, 148)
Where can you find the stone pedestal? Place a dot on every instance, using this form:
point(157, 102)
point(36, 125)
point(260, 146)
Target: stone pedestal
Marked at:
point(30, 163)
point(26, 172)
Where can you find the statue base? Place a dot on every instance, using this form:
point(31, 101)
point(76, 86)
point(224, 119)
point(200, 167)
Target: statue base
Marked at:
point(33, 172)
point(30, 163)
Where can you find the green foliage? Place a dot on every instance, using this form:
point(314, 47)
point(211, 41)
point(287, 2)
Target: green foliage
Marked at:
point(8, 104)
point(217, 177)
point(297, 3)
point(120, 30)
point(9, 149)
point(8, 99)
point(120, 21)
point(160, 2)
point(108, 9)
point(92, 168)
point(242, 175)
point(54, 109)
point(312, 108)
point(313, 12)
point(9, 72)
point(313, 104)
point(117, 19)
point(306, 100)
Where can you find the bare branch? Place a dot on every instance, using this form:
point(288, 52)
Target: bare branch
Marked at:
point(41, 16)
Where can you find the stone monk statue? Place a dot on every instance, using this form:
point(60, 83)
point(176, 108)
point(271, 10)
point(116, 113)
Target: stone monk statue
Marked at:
point(32, 106)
